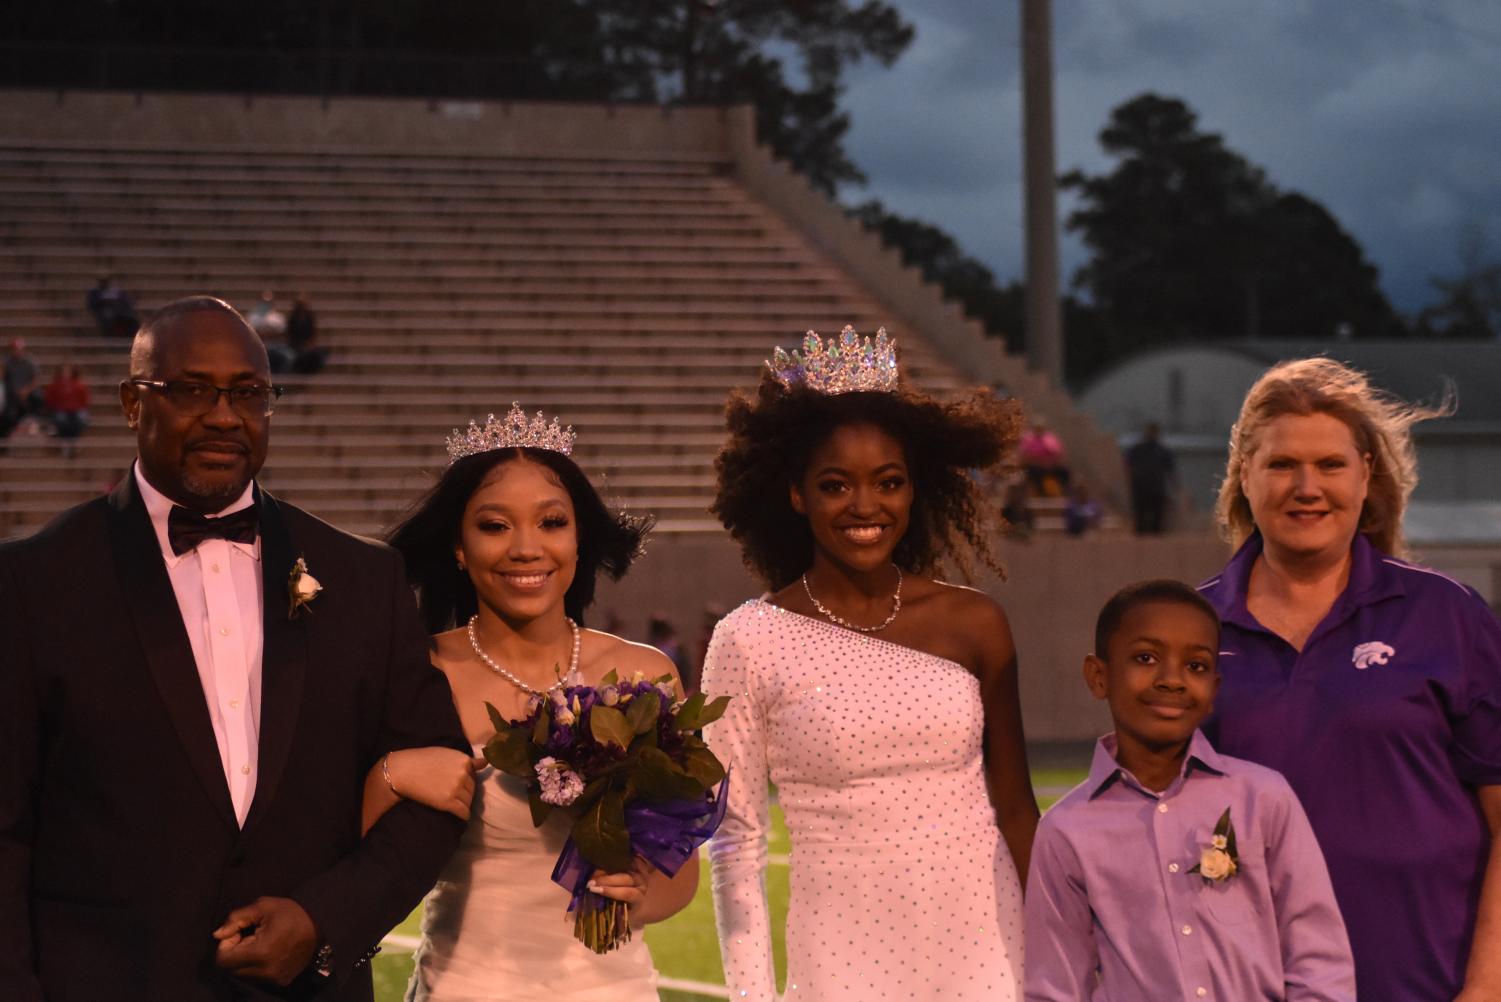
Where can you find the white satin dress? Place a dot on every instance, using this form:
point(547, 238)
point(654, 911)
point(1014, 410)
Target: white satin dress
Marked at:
point(902, 887)
point(496, 926)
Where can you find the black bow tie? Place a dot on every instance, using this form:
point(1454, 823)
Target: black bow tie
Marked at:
point(186, 529)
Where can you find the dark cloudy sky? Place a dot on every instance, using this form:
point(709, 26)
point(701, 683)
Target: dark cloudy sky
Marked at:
point(1386, 111)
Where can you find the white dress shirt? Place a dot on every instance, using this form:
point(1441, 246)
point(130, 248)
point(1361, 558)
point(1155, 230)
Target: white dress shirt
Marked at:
point(218, 588)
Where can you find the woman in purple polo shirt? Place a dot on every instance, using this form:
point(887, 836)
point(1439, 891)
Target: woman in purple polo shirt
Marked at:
point(1372, 684)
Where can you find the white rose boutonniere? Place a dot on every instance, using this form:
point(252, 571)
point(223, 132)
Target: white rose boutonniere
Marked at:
point(302, 588)
point(1219, 861)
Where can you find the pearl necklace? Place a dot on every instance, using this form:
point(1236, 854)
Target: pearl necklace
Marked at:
point(896, 607)
point(573, 661)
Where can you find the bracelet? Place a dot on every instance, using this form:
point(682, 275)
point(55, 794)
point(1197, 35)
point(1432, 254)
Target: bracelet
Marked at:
point(385, 771)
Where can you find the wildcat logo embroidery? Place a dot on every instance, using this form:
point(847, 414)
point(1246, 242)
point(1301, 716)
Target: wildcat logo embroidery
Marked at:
point(1373, 653)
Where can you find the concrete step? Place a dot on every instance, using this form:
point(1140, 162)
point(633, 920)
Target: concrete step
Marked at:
point(121, 209)
point(67, 285)
point(578, 254)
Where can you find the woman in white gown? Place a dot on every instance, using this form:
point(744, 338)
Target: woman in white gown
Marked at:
point(504, 552)
point(881, 703)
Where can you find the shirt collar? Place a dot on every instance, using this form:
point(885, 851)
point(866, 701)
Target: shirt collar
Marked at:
point(159, 506)
point(1372, 579)
point(1104, 770)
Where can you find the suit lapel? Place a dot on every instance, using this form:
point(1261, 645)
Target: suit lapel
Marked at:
point(164, 640)
point(283, 655)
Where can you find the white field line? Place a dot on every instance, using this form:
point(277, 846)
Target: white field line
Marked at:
point(396, 941)
point(697, 987)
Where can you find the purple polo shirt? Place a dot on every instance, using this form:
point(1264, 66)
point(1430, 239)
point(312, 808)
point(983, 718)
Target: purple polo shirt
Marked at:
point(1113, 913)
point(1384, 724)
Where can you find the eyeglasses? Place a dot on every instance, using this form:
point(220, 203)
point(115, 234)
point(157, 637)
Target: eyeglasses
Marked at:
point(251, 400)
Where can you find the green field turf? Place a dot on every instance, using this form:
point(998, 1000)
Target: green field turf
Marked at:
point(686, 946)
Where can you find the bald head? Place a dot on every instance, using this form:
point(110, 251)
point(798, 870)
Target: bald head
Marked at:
point(166, 329)
point(202, 460)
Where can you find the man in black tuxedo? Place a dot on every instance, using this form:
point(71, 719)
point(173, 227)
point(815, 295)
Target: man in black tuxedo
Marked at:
point(187, 722)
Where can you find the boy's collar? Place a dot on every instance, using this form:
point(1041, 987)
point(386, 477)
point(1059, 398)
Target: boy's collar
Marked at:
point(1105, 770)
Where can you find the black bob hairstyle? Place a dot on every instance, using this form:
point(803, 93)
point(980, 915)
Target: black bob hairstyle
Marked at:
point(1146, 593)
point(774, 431)
point(607, 541)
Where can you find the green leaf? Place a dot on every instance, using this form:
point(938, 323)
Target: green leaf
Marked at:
point(609, 726)
point(611, 678)
point(540, 808)
point(601, 835)
point(1222, 826)
point(1225, 828)
point(686, 719)
point(593, 790)
point(659, 778)
point(704, 766)
point(500, 723)
point(510, 752)
point(642, 714)
point(543, 725)
point(713, 711)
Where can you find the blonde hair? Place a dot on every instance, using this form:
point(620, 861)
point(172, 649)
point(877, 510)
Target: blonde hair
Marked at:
point(1380, 423)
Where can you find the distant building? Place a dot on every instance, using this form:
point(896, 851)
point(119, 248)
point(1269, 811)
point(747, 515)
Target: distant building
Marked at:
point(1194, 393)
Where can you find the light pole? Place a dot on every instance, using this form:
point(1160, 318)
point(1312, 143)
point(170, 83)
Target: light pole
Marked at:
point(1044, 316)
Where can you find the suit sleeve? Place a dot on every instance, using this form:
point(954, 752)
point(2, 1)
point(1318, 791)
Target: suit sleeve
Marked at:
point(20, 736)
point(372, 889)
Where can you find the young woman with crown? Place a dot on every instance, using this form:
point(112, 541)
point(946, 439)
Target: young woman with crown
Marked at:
point(504, 552)
point(881, 701)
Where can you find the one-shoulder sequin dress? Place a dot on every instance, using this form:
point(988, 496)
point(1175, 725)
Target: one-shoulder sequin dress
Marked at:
point(901, 885)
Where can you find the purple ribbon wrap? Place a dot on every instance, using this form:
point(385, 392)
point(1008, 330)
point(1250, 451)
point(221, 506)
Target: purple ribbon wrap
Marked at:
point(665, 833)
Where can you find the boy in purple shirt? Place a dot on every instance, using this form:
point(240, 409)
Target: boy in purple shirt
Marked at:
point(1174, 872)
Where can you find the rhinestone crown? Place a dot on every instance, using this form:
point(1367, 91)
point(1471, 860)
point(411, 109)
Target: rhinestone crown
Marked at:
point(515, 432)
point(842, 365)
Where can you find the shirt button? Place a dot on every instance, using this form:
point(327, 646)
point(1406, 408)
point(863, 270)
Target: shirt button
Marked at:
point(1188, 930)
point(1161, 808)
point(214, 568)
point(224, 632)
point(1172, 868)
point(234, 702)
point(245, 769)
point(1201, 991)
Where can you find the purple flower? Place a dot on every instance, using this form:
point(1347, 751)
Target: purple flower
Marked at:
point(561, 786)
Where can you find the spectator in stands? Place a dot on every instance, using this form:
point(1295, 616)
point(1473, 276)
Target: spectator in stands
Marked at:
point(271, 324)
point(112, 309)
point(23, 397)
point(713, 613)
point(662, 635)
point(1016, 511)
point(1082, 512)
point(1152, 473)
point(302, 338)
point(1041, 454)
point(67, 400)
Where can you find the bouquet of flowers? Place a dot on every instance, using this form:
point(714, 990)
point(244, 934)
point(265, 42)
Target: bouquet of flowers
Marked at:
point(625, 758)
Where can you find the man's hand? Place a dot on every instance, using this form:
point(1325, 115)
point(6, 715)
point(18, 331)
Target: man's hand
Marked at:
point(271, 939)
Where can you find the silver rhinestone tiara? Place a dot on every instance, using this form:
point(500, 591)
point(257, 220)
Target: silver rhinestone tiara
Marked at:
point(842, 365)
point(516, 431)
